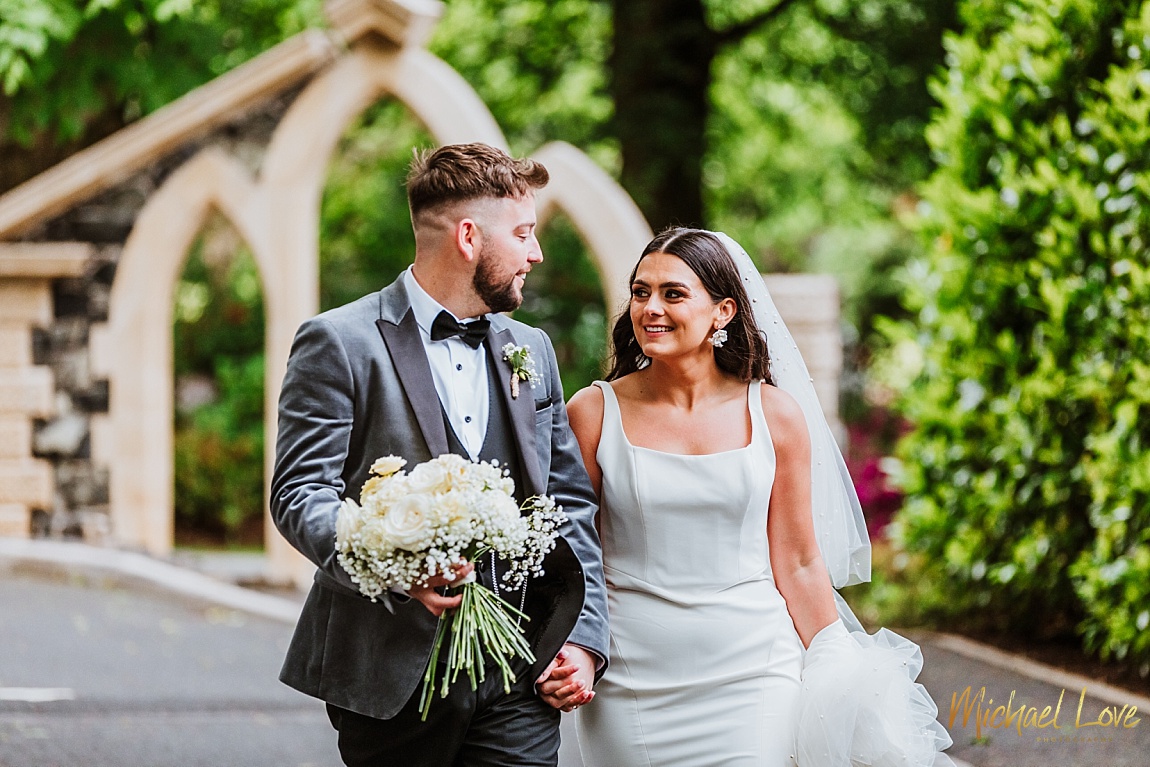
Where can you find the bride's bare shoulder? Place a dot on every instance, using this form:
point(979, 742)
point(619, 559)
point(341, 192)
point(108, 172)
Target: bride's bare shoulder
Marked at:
point(784, 416)
point(585, 412)
point(633, 386)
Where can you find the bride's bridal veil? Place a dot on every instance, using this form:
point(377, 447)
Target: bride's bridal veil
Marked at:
point(838, 517)
point(859, 702)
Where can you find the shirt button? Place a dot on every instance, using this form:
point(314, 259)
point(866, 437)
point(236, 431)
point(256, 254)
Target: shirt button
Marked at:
point(467, 419)
point(459, 367)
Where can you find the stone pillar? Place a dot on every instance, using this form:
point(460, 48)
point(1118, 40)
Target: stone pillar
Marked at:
point(810, 305)
point(26, 389)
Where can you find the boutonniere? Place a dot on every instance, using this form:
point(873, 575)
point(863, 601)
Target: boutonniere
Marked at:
point(522, 366)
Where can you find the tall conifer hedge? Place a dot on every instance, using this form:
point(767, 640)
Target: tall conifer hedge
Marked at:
point(1028, 469)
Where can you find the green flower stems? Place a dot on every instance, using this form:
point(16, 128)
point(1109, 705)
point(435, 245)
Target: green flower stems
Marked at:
point(484, 621)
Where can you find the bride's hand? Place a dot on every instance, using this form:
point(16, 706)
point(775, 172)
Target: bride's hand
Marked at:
point(566, 682)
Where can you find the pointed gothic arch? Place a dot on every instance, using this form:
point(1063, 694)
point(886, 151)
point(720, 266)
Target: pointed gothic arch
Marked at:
point(278, 216)
point(138, 337)
point(605, 216)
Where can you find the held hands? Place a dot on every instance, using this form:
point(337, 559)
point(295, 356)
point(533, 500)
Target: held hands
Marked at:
point(436, 603)
point(566, 682)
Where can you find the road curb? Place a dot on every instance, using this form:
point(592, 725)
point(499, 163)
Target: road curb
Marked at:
point(1035, 670)
point(80, 557)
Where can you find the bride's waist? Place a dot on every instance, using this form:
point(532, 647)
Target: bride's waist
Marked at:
point(681, 587)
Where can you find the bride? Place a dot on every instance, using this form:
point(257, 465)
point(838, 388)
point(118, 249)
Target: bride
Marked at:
point(727, 519)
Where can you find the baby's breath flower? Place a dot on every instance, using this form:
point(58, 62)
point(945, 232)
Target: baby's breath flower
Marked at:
point(408, 527)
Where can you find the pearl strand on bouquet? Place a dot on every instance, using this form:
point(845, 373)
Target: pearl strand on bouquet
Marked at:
point(495, 588)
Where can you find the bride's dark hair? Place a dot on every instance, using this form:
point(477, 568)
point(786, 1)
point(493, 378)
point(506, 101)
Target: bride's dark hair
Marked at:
point(744, 354)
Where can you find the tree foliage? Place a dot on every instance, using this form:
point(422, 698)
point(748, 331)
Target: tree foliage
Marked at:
point(219, 433)
point(539, 66)
point(1028, 472)
point(74, 72)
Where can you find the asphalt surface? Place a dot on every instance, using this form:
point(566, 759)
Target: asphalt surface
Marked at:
point(1078, 740)
point(157, 681)
point(130, 671)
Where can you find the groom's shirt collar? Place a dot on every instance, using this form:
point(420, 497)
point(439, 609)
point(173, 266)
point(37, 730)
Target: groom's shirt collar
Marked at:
point(425, 308)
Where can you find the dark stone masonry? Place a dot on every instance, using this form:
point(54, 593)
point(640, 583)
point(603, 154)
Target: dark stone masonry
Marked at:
point(80, 506)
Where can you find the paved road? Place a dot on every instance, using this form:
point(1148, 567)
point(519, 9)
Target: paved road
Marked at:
point(163, 680)
point(158, 681)
point(1077, 742)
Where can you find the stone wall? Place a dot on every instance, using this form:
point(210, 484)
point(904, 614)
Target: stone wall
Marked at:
point(28, 399)
point(50, 483)
point(80, 499)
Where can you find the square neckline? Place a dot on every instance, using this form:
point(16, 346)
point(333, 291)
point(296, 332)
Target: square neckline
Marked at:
point(627, 440)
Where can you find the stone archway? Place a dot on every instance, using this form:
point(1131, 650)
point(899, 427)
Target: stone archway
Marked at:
point(605, 216)
point(137, 340)
point(278, 216)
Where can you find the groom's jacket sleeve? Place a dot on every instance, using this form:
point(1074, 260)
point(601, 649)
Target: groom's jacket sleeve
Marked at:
point(316, 411)
point(569, 485)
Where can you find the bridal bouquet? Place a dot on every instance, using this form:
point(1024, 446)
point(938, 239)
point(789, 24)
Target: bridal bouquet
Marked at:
point(448, 511)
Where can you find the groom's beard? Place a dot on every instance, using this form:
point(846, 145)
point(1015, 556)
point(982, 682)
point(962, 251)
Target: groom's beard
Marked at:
point(499, 296)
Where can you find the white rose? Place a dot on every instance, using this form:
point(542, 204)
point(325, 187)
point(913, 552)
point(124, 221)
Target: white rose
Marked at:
point(348, 521)
point(429, 477)
point(374, 506)
point(389, 464)
point(505, 509)
point(454, 507)
point(408, 524)
point(372, 537)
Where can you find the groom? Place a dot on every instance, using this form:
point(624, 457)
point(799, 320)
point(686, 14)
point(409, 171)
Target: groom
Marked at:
point(417, 370)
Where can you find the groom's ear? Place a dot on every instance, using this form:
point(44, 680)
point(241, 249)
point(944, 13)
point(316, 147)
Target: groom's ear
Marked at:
point(467, 238)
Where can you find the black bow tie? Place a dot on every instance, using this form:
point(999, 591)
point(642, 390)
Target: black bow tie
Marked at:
point(471, 333)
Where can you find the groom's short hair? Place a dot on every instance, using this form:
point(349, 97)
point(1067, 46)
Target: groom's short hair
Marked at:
point(460, 172)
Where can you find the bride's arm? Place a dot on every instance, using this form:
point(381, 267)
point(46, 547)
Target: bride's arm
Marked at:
point(566, 683)
point(798, 568)
point(585, 413)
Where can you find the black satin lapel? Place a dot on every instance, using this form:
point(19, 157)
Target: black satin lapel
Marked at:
point(410, 360)
point(522, 409)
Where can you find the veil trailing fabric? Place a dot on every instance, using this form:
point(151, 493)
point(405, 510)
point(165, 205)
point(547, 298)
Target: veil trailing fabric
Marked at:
point(860, 704)
point(839, 524)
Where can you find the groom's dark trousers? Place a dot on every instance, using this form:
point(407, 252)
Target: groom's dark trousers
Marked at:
point(481, 728)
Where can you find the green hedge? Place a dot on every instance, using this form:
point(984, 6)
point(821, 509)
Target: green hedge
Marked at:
point(1028, 470)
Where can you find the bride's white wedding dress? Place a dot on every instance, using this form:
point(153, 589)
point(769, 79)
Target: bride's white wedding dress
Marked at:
point(705, 661)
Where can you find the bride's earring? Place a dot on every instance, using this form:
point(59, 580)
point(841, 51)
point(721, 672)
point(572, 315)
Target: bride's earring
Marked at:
point(718, 338)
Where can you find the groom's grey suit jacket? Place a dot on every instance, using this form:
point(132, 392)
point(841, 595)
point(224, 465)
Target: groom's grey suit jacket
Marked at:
point(358, 387)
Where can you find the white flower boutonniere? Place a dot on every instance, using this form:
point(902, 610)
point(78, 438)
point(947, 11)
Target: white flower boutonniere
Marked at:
point(522, 366)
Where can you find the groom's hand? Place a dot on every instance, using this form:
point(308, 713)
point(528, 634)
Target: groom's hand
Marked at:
point(437, 603)
point(566, 682)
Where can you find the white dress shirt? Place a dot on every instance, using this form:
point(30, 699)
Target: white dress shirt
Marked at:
point(459, 372)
